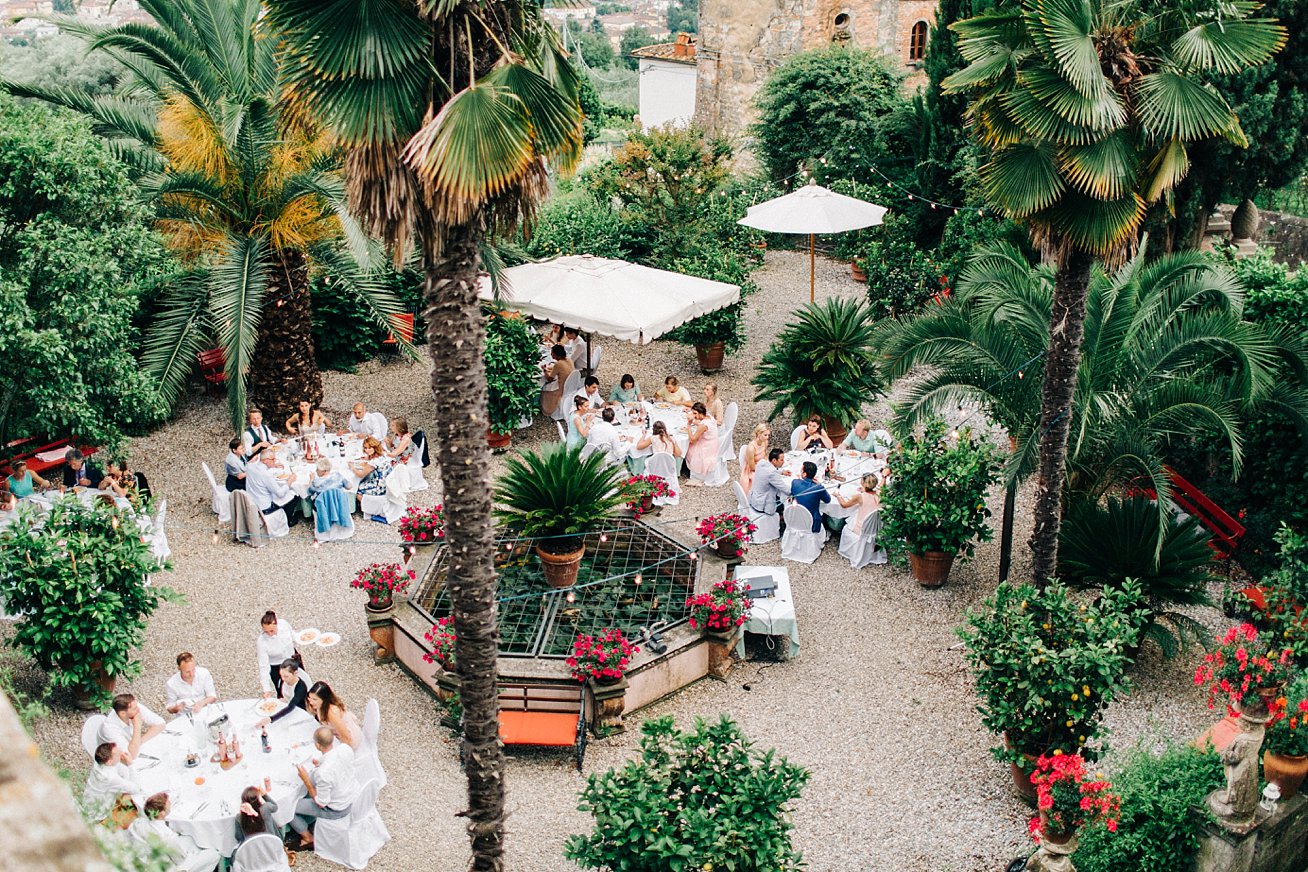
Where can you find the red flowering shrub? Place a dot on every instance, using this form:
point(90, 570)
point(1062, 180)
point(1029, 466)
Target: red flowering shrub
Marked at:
point(721, 609)
point(1238, 666)
point(604, 655)
point(423, 526)
point(1287, 731)
point(1067, 799)
point(641, 486)
point(441, 636)
point(727, 529)
point(382, 581)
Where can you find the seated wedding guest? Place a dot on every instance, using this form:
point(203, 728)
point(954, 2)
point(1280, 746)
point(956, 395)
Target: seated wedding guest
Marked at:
point(23, 482)
point(274, 645)
point(811, 434)
point(627, 390)
point(328, 709)
point(307, 420)
point(372, 470)
point(366, 423)
point(190, 687)
point(769, 487)
point(552, 335)
point(255, 814)
point(185, 854)
point(702, 447)
point(713, 403)
point(399, 445)
point(79, 472)
point(578, 422)
point(590, 392)
point(557, 372)
point(861, 439)
point(129, 726)
point(294, 691)
point(234, 465)
point(751, 453)
point(332, 503)
point(672, 392)
point(331, 785)
point(603, 437)
point(868, 501)
point(269, 492)
point(571, 339)
point(136, 483)
point(115, 481)
point(108, 779)
point(257, 435)
point(809, 493)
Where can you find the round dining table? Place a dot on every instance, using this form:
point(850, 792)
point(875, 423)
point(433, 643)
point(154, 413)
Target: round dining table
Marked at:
point(630, 429)
point(340, 451)
point(206, 798)
point(851, 466)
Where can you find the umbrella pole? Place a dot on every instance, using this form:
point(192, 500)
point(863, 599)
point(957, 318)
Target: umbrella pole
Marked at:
point(812, 268)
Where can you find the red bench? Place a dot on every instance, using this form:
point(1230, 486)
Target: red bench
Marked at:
point(213, 366)
point(29, 454)
point(403, 325)
point(544, 715)
point(1226, 531)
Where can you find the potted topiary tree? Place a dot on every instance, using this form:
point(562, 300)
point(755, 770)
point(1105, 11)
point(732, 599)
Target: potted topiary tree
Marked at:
point(512, 374)
point(824, 364)
point(78, 579)
point(935, 503)
point(713, 335)
point(555, 496)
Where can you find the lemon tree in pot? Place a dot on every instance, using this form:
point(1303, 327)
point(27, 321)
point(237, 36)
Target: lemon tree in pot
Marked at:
point(935, 503)
point(556, 496)
point(512, 374)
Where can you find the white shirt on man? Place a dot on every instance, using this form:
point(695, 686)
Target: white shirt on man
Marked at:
point(274, 650)
point(200, 687)
point(115, 729)
point(103, 785)
point(334, 779)
point(372, 424)
point(595, 400)
point(264, 487)
point(603, 436)
point(262, 431)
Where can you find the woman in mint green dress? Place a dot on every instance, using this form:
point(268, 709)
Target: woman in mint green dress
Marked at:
point(577, 428)
point(626, 391)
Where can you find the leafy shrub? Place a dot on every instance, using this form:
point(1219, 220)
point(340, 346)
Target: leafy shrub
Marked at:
point(901, 277)
point(966, 232)
point(703, 799)
point(1287, 591)
point(512, 375)
point(577, 223)
point(344, 335)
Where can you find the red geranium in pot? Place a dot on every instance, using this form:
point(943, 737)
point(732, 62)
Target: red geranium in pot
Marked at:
point(602, 657)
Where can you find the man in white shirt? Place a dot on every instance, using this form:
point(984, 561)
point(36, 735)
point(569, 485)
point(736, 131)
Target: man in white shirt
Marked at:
point(268, 491)
point(367, 423)
point(603, 437)
point(590, 392)
point(257, 435)
point(129, 726)
point(191, 686)
point(109, 777)
point(185, 853)
point(331, 785)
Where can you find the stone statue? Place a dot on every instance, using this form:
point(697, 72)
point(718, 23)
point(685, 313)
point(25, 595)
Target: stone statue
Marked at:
point(1234, 806)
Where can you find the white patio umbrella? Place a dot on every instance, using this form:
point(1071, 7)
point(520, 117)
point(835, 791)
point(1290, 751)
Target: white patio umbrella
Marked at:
point(611, 297)
point(813, 209)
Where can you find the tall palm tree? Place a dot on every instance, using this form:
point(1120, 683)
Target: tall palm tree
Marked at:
point(451, 111)
point(247, 193)
point(1085, 108)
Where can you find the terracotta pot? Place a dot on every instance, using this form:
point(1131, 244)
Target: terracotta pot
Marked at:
point(835, 429)
point(858, 272)
point(607, 680)
point(727, 549)
point(710, 356)
point(761, 245)
point(1026, 791)
point(560, 569)
point(381, 628)
point(721, 653)
point(498, 441)
point(447, 683)
point(647, 504)
point(1049, 834)
point(380, 607)
point(931, 568)
point(1286, 771)
point(84, 696)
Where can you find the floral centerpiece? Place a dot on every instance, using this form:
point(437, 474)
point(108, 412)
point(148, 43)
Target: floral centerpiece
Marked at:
point(1239, 665)
point(423, 526)
point(382, 581)
point(728, 532)
point(441, 636)
point(644, 490)
point(1068, 800)
point(602, 657)
point(721, 609)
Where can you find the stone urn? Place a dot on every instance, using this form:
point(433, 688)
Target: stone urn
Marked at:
point(448, 683)
point(560, 569)
point(931, 568)
point(1055, 851)
point(381, 627)
point(1286, 771)
point(710, 356)
point(1245, 221)
point(610, 697)
point(721, 652)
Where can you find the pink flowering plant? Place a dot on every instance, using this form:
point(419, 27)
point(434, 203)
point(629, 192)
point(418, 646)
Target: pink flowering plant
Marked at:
point(1240, 664)
point(721, 609)
point(441, 636)
point(603, 656)
point(382, 581)
point(423, 526)
point(641, 486)
point(727, 530)
point(1069, 799)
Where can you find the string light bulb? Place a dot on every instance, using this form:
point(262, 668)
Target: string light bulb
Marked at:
point(604, 537)
point(638, 578)
point(571, 597)
point(215, 537)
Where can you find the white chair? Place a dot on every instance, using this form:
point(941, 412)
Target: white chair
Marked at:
point(563, 434)
point(799, 542)
point(262, 853)
point(592, 365)
point(578, 355)
point(253, 527)
point(665, 467)
point(221, 506)
point(91, 733)
point(377, 424)
point(354, 839)
point(571, 385)
point(417, 481)
point(769, 526)
point(727, 432)
point(717, 477)
point(367, 763)
point(390, 506)
point(794, 436)
point(860, 549)
point(159, 532)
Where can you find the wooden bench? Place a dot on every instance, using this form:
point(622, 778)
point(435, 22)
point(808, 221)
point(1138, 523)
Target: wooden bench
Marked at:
point(403, 325)
point(544, 715)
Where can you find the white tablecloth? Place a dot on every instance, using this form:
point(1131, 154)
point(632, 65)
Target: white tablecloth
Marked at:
point(773, 616)
point(207, 812)
point(850, 467)
point(340, 450)
point(673, 417)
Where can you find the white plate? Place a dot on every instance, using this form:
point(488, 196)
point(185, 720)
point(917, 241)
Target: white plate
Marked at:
point(329, 640)
point(268, 707)
point(307, 636)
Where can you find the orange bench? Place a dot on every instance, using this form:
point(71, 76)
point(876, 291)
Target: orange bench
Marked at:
point(544, 715)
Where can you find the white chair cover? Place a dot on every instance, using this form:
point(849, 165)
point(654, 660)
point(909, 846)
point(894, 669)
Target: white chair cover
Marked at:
point(159, 532)
point(253, 527)
point(563, 434)
point(794, 437)
point(717, 478)
point(594, 363)
point(262, 853)
point(571, 385)
point(417, 481)
point(392, 505)
point(860, 549)
point(769, 526)
point(665, 467)
point(799, 542)
point(91, 733)
point(367, 763)
point(353, 840)
point(726, 433)
point(221, 507)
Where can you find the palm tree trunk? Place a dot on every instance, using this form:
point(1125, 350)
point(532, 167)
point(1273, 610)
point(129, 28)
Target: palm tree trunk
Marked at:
point(284, 370)
point(454, 324)
point(1066, 330)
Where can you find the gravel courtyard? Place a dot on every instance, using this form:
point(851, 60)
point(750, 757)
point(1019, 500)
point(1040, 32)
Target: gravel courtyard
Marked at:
point(878, 704)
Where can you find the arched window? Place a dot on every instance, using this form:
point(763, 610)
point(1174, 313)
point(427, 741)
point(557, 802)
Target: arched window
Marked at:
point(917, 41)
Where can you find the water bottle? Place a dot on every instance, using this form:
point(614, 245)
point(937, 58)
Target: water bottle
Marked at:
point(263, 737)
